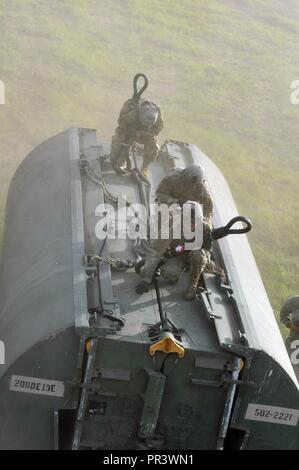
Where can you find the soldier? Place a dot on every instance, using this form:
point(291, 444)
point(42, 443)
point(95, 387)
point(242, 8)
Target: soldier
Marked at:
point(139, 121)
point(289, 316)
point(189, 184)
point(199, 259)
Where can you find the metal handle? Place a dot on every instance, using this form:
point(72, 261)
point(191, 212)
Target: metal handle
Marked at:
point(222, 232)
point(137, 93)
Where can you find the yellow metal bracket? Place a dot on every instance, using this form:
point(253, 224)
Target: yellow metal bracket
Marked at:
point(168, 344)
point(88, 345)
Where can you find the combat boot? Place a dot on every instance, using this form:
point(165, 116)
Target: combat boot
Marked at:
point(121, 160)
point(195, 274)
point(118, 169)
point(145, 171)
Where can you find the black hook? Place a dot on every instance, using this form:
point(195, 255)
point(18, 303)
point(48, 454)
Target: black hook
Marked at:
point(221, 232)
point(137, 93)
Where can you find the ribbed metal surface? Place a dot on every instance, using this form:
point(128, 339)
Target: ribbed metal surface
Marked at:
point(36, 283)
point(44, 298)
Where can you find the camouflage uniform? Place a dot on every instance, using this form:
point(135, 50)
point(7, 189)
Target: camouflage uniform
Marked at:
point(198, 260)
point(182, 185)
point(179, 186)
point(289, 315)
point(130, 130)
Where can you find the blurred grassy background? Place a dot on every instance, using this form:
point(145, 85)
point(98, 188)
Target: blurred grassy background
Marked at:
point(221, 70)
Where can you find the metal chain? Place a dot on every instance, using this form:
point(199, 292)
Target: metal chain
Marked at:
point(97, 179)
point(116, 264)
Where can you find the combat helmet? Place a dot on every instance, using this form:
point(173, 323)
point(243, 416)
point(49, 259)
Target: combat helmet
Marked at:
point(148, 113)
point(194, 174)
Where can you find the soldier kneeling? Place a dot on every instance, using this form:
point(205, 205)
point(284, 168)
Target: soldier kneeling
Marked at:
point(139, 121)
point(198, 258)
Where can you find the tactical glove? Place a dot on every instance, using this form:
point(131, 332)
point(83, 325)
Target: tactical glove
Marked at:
point(287, 322)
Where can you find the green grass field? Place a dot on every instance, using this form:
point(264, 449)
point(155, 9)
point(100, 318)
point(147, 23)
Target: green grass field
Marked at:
point(221, 70)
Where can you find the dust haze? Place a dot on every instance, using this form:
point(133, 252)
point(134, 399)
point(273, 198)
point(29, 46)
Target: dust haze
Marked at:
point(221, 71)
